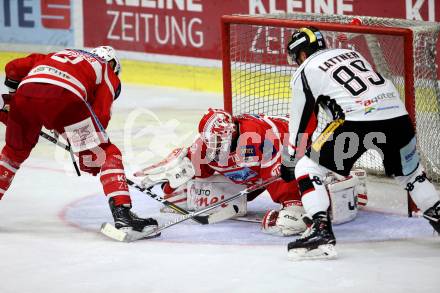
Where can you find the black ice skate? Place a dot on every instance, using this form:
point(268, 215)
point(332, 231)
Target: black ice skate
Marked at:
point(317, 242)
point(433, 216)
point(125, 219)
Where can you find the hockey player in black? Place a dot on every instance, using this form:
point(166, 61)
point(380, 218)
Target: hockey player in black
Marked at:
point(367, 114)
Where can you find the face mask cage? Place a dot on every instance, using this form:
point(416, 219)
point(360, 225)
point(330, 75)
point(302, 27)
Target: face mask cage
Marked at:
point(218, 141)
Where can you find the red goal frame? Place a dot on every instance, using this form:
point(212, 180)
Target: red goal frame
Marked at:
point(406, 33)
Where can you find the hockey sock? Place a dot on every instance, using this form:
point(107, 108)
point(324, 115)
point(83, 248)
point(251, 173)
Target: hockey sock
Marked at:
point(7, 171)
point(113, 177)
point(421, 190)
point(311, 186)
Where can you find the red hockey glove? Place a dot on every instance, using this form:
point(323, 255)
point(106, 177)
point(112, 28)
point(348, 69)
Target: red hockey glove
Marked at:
point(88, 162)
point(5, 101)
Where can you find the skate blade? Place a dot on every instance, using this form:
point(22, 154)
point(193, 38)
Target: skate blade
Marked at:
point(326, 251)
point(127, 235)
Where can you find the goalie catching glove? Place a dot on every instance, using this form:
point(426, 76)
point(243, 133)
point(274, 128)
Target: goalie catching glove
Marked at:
point(285, 222)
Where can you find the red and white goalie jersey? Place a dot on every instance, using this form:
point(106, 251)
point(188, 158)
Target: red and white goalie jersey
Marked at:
point(255, 155)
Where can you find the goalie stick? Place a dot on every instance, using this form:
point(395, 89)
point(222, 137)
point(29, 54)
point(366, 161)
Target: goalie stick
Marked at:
point(225, 213)
point(110, 231)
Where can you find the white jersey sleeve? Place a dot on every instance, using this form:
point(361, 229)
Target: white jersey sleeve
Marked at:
point(345, 80)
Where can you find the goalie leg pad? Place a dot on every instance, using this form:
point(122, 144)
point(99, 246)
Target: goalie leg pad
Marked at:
point(202, 192)
point(343, 200)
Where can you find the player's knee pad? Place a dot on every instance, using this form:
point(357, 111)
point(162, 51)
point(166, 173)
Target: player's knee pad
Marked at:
point(307, 166)
point(309, 175)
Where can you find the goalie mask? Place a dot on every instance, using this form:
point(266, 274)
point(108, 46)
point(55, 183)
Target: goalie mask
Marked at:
point(307, 39)
point(217, 130)
point(108, 54)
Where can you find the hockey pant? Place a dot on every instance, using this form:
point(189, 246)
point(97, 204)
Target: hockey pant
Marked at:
point(36, 105)
point(395, 141)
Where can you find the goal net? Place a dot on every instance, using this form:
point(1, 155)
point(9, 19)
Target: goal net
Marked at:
point(256, 74)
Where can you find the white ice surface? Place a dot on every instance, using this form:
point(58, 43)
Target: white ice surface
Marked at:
point(49, 221)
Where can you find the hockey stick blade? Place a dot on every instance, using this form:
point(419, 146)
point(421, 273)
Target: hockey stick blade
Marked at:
point(220, 203)
point(224, 214)
point(127, 236)
point(204, 220)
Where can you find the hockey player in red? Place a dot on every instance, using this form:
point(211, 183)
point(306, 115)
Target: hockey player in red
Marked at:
point(234, 152)
point(70, 92)
point(247, 149)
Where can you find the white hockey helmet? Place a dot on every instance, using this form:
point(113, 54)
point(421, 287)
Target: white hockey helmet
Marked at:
point(108, 54)
point(217, 130)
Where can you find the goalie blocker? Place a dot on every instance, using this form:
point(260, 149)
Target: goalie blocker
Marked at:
point(175, 176)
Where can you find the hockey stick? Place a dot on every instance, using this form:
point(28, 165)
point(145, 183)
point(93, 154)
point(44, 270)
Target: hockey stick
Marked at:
point(64, 146)
point(326, 133)
point(223, 214)
point(110, 231)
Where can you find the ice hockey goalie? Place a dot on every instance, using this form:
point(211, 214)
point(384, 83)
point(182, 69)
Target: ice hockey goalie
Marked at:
point(233, 152)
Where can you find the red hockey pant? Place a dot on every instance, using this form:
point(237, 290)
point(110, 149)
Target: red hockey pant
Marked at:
point(36, 105)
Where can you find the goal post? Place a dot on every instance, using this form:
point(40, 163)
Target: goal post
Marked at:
point(256, 75)
point(228, 20)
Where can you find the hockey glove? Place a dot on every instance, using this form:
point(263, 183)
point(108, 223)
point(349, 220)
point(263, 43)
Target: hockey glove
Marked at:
point(287, 168)
point(5, 100)
point(88, 162)
point(287, 173)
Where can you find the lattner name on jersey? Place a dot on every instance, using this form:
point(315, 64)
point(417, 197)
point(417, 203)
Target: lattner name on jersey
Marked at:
point(335, 60)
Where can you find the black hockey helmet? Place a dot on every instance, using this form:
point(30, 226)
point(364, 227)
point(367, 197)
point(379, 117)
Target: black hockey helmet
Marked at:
point(307, 39)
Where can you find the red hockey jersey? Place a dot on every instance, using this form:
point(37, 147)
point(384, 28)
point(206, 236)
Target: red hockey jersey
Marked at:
point(257, 155)
point(82, 73)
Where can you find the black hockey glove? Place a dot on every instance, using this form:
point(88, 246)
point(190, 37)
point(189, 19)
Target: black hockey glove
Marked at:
point(287, 173)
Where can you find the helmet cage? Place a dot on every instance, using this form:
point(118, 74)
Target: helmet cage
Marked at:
point(217, 134)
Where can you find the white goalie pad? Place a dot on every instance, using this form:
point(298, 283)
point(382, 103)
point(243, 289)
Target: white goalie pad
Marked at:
point(176, 168)
point(343, 197)
point(286, 222)
point(202, 192)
